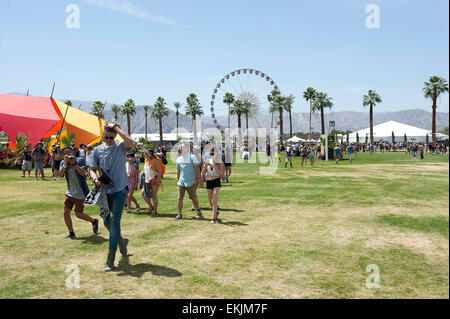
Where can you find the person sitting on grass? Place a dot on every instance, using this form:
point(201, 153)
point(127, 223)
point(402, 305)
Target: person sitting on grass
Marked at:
point(77, 189)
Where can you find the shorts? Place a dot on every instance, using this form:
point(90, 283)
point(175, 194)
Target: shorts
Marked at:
point(26, 166)
point(38, 165)
point(350, 155)
point(191, 191)
point(215, 183)
point(227, 164)
point(69, 202)
point(132, 181)
point(311, 156)
point(155, 181)
point(197, 179)
point(56, 164)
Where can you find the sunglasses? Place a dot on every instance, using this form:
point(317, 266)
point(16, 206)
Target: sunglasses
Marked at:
point(108, 137)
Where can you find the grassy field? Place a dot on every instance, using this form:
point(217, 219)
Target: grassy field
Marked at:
point(301, 233)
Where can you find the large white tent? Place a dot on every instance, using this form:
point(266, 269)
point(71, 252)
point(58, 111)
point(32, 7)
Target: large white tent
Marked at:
point(383, 132)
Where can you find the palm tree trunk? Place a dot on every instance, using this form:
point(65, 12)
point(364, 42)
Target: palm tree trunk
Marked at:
point(239, 127)
point(228, 116)
point(177, 125)
point(322, 121)
point(246, 122)
point(290, 123)
point(195, 129)
point(433, 123)
point(129, 124)
point(310, 111)
point(160, 132)
point(115, 117)
point(371, 124)
point(281, 126)
point(146, 115)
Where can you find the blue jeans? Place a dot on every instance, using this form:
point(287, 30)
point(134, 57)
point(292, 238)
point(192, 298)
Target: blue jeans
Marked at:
point(116, 202)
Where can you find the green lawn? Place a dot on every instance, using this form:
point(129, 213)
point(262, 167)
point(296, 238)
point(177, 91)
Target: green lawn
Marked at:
point(300, 233)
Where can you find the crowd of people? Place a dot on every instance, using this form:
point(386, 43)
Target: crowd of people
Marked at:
point(114, 168)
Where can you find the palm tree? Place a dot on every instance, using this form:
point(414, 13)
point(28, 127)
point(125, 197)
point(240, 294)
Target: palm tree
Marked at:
point(116, 110)
point(321, 101)
point(433, 88)
point(159, 111)
point(371, 99)
point(146, 109)
point(276, 101)
point(309, 95)
point(288, 102)
point(238, 109)
point(69, 102)
point(228, 99)
point(177, 113)
point(193, 109)
point(97, 109)
point(129, 109)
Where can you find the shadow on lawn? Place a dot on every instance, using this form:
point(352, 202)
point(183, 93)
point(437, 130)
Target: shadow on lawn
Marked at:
point(93, 239)
point(138, 270)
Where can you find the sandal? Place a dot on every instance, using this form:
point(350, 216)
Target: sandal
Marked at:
point(154, 214)
point(138, 208)
point(150, 212)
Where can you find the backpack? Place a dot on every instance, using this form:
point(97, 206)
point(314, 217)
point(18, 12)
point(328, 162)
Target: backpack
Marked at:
point(163, 159)
point(163, 167)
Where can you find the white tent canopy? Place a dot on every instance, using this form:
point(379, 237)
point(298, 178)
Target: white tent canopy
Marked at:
point(295, 139)
point(383, 132)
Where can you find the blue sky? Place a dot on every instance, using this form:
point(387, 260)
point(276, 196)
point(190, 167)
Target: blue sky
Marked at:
point(144, 49)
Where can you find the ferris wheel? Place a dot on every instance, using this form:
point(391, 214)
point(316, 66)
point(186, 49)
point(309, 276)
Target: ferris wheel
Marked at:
point(246, 85)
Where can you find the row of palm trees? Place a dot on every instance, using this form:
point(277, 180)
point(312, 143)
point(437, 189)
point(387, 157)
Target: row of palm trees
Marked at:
point(248, 105)
point(157, 111)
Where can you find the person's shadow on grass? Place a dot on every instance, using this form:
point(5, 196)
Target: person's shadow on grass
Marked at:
point(93, 239)
point(138, 270)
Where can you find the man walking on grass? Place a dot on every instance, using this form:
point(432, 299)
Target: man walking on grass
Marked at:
point(187, 168)
point(75, 171)
point(110, 158)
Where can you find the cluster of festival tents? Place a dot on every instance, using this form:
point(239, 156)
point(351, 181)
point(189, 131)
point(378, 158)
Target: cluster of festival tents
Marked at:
point(44, 117)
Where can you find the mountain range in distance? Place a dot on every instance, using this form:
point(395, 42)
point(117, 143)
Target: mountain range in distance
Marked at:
point(345, 120)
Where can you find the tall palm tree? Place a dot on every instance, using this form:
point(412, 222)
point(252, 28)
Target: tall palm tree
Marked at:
point(321, 101)
point(69, 102)
point(177, 113)
point(97, 109)
point(146, 109)
point(160, 111)
point(433, 88)
point(251, 106)
point(288, 103)
point(129, 109)
point(228, 99)
point(116, 110)
point(309, 95)
point(238, 110)
point(276, 101)
point(371, 99)
point(193, 109)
